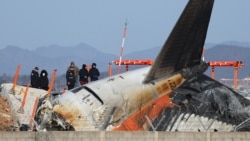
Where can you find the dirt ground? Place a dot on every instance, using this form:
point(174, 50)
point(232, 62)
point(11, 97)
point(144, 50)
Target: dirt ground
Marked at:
point(7, 121)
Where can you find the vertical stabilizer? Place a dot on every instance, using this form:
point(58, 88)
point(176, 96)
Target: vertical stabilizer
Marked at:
point(184, 46)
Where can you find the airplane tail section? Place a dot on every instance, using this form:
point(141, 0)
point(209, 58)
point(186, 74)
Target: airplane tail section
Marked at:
point(184, 46)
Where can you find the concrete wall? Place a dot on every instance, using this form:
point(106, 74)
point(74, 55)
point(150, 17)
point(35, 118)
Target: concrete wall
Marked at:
point(124, 136)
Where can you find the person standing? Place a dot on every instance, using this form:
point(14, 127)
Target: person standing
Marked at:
point(83, 75)
point(34, 78)
point(94, 72)
point(70, 78)
point(44, 80)
point(76, 69)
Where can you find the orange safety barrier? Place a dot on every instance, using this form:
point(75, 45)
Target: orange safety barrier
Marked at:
point(33, 111)
point(110, 70)
point(21, 110)
point(16, 78)
point(52, 82)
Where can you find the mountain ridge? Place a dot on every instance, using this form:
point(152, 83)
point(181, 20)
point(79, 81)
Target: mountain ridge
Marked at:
point(58, 57)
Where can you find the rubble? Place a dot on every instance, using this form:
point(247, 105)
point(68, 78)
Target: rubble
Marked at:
point(15, 109)
point(7, 120)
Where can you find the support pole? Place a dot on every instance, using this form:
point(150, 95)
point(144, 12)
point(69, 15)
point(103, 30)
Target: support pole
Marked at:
point(33, 112)
point(52, 82)
point(123, 41)
point(21, 109)
point(126, 67)
point(212, 74)
point(110, 70)
point(15, 78)
point(236, 72)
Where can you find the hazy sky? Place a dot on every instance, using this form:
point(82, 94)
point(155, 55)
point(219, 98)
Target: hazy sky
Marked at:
point(35, 23)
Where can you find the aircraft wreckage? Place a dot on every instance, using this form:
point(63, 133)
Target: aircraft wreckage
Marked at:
point(171, 95)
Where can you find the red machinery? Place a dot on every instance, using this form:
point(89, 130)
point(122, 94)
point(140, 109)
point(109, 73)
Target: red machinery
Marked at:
point(235, 64)
point(129, 62)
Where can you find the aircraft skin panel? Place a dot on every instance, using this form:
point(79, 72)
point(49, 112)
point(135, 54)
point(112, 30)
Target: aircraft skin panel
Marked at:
point(89, 110)
point(184, 46)
point(90, 114)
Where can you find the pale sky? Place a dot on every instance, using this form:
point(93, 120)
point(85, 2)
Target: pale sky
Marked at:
point(100, 23)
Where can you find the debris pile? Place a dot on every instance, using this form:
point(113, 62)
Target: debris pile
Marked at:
point(7, 120)
point(18, 106)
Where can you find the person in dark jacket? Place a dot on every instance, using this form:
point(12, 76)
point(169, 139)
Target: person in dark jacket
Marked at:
point(70, 78)
point(83, 75)
point(76, 70)
point(94, 72)
point(34, 78)
point(43, 80)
